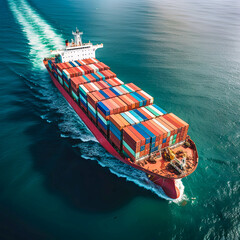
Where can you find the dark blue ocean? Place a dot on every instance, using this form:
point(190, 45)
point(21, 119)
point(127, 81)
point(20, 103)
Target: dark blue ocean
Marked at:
point(57, 182)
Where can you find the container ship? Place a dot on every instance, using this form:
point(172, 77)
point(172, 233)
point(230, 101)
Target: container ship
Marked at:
point(122, 116)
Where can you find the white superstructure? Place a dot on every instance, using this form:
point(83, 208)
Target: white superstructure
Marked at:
point(76, 50)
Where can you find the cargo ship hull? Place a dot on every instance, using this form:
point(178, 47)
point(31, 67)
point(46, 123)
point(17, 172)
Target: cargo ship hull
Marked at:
point(168, 185)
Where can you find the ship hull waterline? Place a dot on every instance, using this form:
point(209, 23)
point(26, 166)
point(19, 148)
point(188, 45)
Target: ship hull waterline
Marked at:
point(168, 185)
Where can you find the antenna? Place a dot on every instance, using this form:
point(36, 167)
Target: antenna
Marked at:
point(77, 37)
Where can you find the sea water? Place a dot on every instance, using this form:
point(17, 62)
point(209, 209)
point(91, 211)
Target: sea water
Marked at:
point(56, 180)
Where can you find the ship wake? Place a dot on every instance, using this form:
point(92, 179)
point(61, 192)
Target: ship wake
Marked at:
point(40, 35)
point(41, 39)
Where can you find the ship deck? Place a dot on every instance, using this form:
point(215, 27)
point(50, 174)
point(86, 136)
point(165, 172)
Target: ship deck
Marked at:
point(165, 169)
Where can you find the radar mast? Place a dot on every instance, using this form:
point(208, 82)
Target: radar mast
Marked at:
point(77, 37)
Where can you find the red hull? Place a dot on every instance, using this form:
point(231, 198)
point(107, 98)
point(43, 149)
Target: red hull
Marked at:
point(168, 185)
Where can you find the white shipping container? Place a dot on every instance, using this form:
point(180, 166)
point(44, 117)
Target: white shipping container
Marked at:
point(156, 110)
point(148, 112)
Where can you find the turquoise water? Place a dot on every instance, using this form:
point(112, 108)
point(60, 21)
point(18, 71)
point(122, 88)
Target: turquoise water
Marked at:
point(57, 182)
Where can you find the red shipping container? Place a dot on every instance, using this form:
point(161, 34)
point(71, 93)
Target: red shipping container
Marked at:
point(144, 113)
point(165, 133)
point(135, 132)
point(109, 93)
point(165, 125)
point(102, 84)
point(103, 66)
point(104, 74)
point(122, 90)
point(114, 106)
point(115, 140)
point(133, 86)
point(181, 127)
point(117, 81)
point(91, 78)
point(110, 81)
point(85, 109)
point(90, 69)
point(85, 61)
point(153, 129)
point(180, 120)
point(92, 117)
point(123, 105)
point(92, 99)
point(132, 140)
point(99, 96)
point(134, 100)
point(102, 128)
point(99, 85)
point(175, 129)
point(128, 153)
point(89, 87)
point(146, 97)
point(119, 121)
point(160, 130)
point(99, 66)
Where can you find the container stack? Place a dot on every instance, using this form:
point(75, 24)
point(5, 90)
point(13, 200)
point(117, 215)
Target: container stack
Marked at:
point(116, 125)
point(111, 92)
point(120, 104)
point(135, 142)
point(96, 95)
point(132, 117)
point(74, 71)
point(67, 65)
point(108, 74)
point(53, 68)
point(160, 132)
point(123, 112)
point(93, 81)
point(88, 68)
point(87, 88)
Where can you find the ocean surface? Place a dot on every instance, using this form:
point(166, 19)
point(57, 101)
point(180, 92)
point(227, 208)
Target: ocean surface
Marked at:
point(57, 182)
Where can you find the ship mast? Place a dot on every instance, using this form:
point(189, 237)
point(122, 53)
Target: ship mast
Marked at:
point(77, 37)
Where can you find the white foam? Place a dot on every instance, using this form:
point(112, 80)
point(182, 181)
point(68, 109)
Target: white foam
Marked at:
point(36, 30)
point(63, 135)
point(48, 31)
point(43, 116)
point(37, 49)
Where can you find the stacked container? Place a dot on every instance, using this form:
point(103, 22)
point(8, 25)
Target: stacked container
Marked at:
point(109, 93)
point(89, 72)
point(132, 117)
point(108, 74)
point(160, 132)
point(119, 104)
point(123, 112)
point(117, 123)
point(86, 89)
point(136, 142)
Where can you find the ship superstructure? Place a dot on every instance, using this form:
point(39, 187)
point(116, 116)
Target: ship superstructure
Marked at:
point(122, 117)
point(76, 50)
